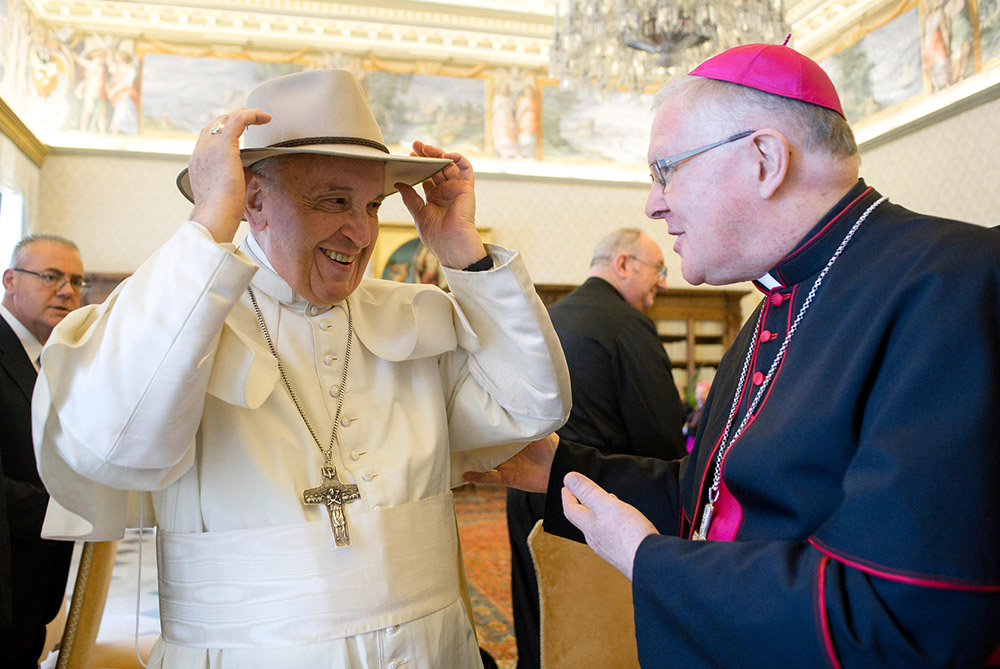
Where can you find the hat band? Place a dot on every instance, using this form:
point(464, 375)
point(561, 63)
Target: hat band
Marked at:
point(329, 140)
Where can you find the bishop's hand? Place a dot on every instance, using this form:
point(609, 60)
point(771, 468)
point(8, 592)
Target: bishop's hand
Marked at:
point(612, 528)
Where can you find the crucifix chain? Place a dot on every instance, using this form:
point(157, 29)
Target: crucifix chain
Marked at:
point(713, 493)
point(331, 492)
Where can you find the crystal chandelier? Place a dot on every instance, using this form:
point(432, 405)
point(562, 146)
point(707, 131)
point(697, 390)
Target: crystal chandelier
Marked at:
point(637, 45)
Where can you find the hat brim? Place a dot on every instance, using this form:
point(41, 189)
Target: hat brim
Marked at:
point(410, 170)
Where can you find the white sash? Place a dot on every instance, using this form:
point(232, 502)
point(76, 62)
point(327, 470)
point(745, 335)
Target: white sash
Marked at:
point(290, 585)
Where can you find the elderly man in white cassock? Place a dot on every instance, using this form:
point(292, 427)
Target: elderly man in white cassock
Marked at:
point(299, 427)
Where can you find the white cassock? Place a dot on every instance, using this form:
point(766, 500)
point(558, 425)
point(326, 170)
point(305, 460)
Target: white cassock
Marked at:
point(169, 387)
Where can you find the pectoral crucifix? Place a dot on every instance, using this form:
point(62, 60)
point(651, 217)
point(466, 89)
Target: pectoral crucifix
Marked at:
point(334, 495)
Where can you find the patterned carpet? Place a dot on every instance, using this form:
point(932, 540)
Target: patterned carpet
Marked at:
point(482, 525)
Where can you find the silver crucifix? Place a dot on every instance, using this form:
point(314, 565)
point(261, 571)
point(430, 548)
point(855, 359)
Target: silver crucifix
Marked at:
point(334, 495)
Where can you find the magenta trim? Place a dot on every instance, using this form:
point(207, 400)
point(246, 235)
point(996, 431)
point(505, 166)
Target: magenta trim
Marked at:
point(824, 621)
point(745, 396)
point(728, 514)
point(684, 519)
point(921, 580)
point(994, 659)
point(790, 298)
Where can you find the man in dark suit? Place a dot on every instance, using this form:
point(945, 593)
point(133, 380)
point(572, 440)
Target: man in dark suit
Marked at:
point(624, 396)
point(43, 283)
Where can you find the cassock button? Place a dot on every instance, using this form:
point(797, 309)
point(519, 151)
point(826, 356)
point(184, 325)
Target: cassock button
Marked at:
point(758, 378)
point(334, 391)
point(777, 299)
point(329, 360)
point(357, 455)
point(313, 310)
point(766, 336)
point(323, 325)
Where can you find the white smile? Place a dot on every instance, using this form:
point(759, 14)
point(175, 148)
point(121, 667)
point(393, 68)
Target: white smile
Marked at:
point(339, 257)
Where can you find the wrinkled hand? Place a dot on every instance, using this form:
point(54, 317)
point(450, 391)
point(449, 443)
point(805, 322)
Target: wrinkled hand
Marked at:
point(527, 470)
point(612, 528)
point(217, 175)
point(446, 222)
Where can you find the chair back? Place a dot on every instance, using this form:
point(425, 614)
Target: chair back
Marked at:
point(585, 606)
point(79, 648)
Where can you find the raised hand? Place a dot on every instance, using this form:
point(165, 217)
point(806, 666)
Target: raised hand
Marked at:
point(217, 176)
point(446, 222)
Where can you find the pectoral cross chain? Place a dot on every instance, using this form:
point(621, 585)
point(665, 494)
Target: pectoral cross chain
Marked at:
point(334, 495)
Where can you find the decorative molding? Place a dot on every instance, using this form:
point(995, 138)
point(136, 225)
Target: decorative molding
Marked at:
point(820, 27)
point(389, 29)
point(21, 135)
point(911, 116)
point(500, 33)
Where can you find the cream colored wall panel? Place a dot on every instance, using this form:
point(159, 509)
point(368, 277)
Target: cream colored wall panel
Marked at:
point(555, 224)
point(950, 169)
point(117, 209)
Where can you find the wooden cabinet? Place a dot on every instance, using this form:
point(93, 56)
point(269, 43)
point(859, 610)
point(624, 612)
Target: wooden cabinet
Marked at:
point(695, 326)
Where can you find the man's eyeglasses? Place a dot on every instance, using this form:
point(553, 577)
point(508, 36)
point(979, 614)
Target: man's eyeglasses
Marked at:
point(660, 269)
point(660, 170)
point(56, 281)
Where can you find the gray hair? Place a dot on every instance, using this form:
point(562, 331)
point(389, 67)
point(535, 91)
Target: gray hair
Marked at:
point(622, 240)
point(266, 167)
point(22, 246)
point(739, 108)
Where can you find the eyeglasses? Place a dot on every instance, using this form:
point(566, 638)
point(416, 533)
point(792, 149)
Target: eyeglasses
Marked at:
point(659, 268)
point(55, 280)
point(661, 169)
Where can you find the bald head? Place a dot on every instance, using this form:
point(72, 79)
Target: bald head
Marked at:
point(632, 262)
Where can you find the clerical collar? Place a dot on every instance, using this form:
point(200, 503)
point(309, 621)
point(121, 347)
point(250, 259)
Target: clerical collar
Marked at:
point(32, 347)
point(258, 252)
point(768, 282)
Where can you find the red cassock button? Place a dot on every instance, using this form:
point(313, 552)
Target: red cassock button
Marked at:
point(777, 299)
point(766, 336)
point(758, 378)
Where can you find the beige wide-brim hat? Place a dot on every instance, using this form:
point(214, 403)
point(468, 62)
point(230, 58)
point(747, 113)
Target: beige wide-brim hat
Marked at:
point(323, 112)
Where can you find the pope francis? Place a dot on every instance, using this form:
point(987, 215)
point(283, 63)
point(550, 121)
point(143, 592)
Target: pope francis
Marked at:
point(299, 427)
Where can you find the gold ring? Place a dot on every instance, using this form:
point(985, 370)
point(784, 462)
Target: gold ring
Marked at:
point(216, 128)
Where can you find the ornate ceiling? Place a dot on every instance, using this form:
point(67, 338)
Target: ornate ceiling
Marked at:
point(500, 33)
